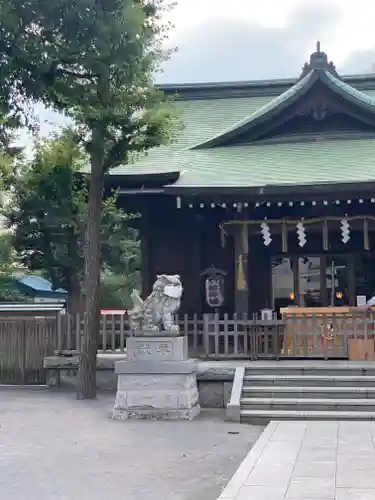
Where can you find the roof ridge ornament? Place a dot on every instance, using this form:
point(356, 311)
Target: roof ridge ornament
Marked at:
point(318, 61)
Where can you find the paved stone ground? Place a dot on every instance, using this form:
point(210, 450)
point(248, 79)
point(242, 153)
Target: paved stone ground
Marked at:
point(53, 447)
point(308, 461)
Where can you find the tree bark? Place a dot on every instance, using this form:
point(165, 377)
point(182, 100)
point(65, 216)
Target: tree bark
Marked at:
point(75, 298)
point(86, 384)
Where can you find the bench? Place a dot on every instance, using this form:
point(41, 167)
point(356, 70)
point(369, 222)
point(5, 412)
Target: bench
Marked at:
point(68, 362)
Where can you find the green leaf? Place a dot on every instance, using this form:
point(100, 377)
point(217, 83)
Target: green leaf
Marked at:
point(48, 213)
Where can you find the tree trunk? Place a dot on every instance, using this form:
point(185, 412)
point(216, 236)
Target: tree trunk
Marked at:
point(75, 298)
point(86, 386)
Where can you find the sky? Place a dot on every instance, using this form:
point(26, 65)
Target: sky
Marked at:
point(220, 40)
point(228, 40)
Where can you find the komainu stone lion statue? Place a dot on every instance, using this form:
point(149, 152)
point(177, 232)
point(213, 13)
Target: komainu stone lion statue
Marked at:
point(156, 313)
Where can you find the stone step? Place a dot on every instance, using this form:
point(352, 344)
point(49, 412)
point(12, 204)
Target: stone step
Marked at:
point(320, 369)
point(263, 416)
point(309, 380)
point(300, 392)
point(305, 404)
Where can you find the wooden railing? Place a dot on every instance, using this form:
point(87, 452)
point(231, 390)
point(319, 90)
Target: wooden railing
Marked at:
point(114, 330)
point(25, 341)
point(224, 337)
point(233, 337)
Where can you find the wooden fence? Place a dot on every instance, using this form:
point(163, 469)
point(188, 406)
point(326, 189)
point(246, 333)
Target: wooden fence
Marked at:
point(324, 336)
point(24, 343)
point(114, 329)
point(223, 337)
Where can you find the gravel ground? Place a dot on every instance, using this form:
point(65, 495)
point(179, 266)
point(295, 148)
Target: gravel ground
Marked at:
point(53, 447)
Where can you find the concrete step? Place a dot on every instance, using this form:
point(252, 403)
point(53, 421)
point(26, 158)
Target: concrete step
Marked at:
point(263, 416)
point(305, 404)
point(309, 380)
point(309, 392)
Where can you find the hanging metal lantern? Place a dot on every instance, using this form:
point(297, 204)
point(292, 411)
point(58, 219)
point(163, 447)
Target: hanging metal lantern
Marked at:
point(214, 286)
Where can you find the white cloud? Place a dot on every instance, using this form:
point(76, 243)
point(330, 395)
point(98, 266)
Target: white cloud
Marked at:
point(242, 39)
point(353, 28)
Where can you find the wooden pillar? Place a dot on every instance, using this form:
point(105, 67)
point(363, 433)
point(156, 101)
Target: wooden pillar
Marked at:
point(296, 279)
point(193, 260)
point(241, 255)
point(146, 270)
point(323, 281)
point(351, 258)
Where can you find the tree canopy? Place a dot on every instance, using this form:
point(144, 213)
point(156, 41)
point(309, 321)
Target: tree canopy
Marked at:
point(48, 210)
point(94, 60)
point(8, 288)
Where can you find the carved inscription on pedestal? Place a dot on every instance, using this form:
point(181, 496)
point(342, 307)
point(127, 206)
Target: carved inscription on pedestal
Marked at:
point(157, 349)
point(164, 349)
point(144, 350)
point(153, 349)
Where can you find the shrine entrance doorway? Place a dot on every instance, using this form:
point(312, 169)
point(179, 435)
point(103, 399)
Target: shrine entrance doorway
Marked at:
point(313, 280)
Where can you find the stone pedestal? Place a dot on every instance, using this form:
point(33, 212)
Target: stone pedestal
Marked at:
point(157, 381)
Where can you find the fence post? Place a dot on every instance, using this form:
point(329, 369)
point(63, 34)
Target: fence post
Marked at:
point(122, 333)
point(195, 331)
point(235, 333)
point(226, 335)
point(23, 331)
point(217, 333)
point(59, 333)
point(69, 333)
point(186, 326)
point(246, 334)
point(206, 338)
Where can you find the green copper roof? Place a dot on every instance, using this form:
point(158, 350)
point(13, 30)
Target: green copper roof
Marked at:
point(270, 105)
point(204, 157)
point(300, 163)
point(269, 110)
point(363, 97)
point(201, 120)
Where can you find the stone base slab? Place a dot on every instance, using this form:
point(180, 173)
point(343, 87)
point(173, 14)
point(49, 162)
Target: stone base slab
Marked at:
point(156, 414)
point(156, 367)
point(167, 391)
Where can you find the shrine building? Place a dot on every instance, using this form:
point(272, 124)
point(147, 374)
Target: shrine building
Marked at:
point(269, 190)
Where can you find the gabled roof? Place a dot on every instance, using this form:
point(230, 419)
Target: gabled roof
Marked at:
point(207, 157)
point(319, 70)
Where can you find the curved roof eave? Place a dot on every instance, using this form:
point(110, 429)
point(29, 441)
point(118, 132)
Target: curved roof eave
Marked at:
point(289, 97)
point(348, 92)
